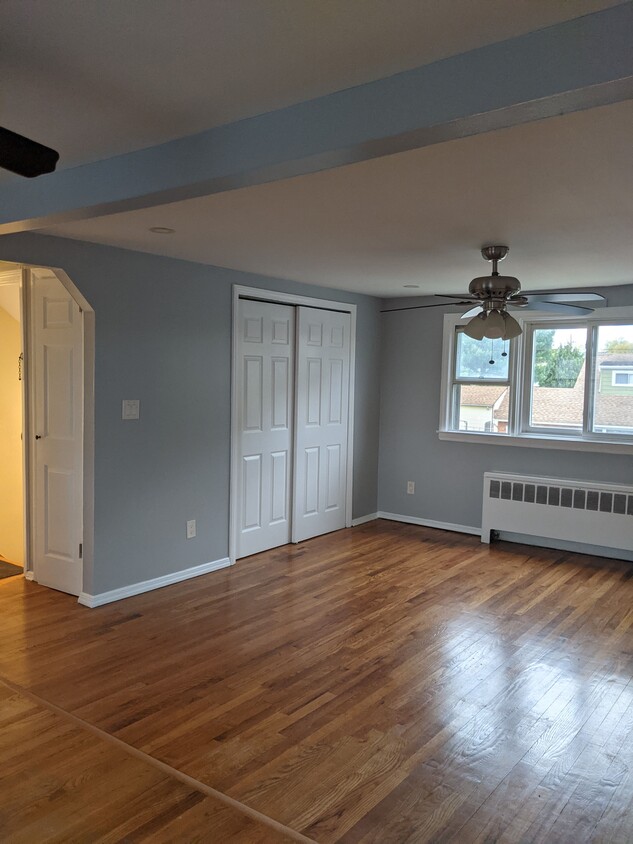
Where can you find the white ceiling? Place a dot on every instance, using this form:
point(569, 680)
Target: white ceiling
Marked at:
point(559, 192)
point(94, 79)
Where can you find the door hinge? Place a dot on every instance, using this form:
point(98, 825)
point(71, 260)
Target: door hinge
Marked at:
point(81, 550)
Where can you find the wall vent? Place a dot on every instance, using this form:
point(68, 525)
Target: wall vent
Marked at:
point(563, 496)
point(597, 514)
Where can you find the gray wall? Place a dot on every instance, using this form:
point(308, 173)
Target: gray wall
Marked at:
point(449, 475)
point(163, 331)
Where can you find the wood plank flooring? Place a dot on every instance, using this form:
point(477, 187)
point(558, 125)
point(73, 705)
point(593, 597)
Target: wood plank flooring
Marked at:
point(388, 683)
point(61, 783)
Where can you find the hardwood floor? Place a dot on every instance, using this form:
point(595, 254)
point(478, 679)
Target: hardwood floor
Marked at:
point(62, 783)
point(388, 683)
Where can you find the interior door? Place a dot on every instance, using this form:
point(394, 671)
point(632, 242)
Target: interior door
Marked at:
point(322, 410)
point(57, 373)
point(265, 385)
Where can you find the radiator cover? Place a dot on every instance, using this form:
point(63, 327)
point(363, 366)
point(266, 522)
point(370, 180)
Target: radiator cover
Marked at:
point(598, 514)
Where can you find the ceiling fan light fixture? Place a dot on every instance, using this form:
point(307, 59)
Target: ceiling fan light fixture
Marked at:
point(476, 327)
point(495, 326)
point(512, 327)
point(494, 293)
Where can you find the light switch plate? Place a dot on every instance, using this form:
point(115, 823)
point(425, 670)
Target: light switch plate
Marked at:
point(131, 409)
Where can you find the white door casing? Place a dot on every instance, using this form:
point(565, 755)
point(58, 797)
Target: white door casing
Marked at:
point(265, 384)
point(321, 422)
point(57, 372)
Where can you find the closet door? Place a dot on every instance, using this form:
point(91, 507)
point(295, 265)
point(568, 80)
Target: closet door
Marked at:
point(322, 402)
point(265, 416)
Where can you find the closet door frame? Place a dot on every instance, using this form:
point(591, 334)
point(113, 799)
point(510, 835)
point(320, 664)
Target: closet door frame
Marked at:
point(278, 298)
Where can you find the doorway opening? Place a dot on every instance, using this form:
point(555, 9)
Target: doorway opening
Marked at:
point(12, 487)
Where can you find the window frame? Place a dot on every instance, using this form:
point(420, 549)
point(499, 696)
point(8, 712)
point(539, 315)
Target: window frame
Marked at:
point(457, 382)
point(629, 377)
point(526, 385)
point(519, 433)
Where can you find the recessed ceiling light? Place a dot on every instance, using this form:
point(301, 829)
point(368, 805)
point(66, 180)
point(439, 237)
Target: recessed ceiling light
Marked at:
point(162, 230)
point(412, 286)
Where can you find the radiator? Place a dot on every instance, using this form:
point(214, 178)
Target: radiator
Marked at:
point(597, 514)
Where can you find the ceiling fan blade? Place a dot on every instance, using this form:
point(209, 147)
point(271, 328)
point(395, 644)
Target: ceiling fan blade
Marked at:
point(471, 312)
point(455, 296)
point(417, 307)
point(557, 307)
point(25, 157)
point(566, 297)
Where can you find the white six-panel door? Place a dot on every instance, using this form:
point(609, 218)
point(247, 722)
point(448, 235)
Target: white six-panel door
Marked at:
point(322, 418)
point(265, 408)
point(57, 348)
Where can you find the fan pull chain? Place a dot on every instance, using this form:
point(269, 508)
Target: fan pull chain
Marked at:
point(492, 353)
point(504, 353)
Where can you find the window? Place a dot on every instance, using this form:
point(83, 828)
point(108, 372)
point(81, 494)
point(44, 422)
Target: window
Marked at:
point(622, 379)
point(613, 394)
point(557, 379)
point(562, 379)
point(480, 384)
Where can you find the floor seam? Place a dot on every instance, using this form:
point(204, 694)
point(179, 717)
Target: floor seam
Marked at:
point(191, 782)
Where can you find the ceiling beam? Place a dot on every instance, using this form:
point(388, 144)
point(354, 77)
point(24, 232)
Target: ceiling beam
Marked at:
point(579, 64)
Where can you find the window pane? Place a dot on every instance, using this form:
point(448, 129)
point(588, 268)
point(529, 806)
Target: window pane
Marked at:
point(613, 400)
point(482, 408)
point(473, 359)
point(558, 378)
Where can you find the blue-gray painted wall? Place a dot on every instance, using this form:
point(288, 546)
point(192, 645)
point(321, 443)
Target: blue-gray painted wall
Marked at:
point(449, 475)
point(163, 331)
point(163, 335)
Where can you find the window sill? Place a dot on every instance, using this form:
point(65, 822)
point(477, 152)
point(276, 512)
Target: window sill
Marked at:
point(539, 441)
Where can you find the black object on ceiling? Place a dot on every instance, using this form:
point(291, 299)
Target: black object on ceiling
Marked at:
point(25, 157)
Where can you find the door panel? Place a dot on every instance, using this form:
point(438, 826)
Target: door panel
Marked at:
point(279, 491)
point(336, 393)
point(266, 374)
point(253, 393)
point(252, 492)
point(322, 407)
point(333, 474)
point(281, 392)
point(57, 350)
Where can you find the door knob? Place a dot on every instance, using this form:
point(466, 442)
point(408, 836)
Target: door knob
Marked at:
point(38, 437)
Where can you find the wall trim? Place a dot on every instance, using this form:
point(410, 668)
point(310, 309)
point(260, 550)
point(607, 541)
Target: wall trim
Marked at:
point(414, 520)
point(361, 520)
point(101, 598)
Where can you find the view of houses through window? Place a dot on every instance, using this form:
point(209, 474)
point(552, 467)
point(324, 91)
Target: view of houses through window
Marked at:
point(478, 405)
point(613, 398)
point(558, 378)
point(555, 397)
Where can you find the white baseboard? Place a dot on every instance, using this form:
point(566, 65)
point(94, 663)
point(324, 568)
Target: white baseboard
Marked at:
point(414, 520)
point(147, 585)
point(361, 520)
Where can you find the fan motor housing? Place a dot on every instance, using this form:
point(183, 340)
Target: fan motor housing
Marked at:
point(494, 287)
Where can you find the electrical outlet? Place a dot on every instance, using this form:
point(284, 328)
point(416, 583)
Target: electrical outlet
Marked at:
point(191, 528)
point(410, 487)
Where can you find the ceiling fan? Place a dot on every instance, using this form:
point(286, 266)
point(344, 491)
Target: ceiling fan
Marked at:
point(494, 293)
point(25, 157)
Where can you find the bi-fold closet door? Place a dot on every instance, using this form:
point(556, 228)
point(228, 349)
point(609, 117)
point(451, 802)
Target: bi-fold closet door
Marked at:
point(293, 374)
